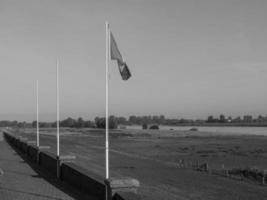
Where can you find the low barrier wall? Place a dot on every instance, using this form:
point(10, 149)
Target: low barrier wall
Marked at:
point(48, 161)
point(24, 147)
point(70, 173)
point(82, 179)
point(32, 152)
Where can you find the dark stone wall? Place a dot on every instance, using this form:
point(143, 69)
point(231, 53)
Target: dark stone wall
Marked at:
point(32, 152)
point(83, 180)
point(48, 161)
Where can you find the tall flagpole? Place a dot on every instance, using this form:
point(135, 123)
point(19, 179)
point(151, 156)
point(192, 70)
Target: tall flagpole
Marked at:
point(107, 124)
point(57, 111)
point(37, 113)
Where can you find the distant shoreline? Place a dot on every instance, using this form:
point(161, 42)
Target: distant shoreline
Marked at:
point(223, 130)
point(212, 124)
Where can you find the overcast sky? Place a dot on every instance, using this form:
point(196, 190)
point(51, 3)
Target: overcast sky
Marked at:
point(188, 58)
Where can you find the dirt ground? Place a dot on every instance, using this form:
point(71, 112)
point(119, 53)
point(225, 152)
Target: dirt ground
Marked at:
point(152, 157)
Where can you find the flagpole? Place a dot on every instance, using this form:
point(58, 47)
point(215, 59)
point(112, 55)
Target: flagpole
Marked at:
point(37, 113)
point(57, 111)
point(107, 121)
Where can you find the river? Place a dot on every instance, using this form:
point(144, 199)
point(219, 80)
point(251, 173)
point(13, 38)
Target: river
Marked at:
point(214, 129)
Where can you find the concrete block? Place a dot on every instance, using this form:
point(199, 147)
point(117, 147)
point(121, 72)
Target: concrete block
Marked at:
point(31, 142)
point(43, 147)
point(23, 138)
point(66, 158)
point(125, 185)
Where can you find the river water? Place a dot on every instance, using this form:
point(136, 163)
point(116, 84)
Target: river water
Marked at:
point(214, 129)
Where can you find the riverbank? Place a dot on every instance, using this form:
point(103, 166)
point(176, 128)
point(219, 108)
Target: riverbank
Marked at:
point(152, 157)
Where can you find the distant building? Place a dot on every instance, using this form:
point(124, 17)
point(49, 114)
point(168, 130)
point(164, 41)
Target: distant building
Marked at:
point(260, 118)
point(210, 119)
point(237, 119)
point(247, 118)
point(222, 118)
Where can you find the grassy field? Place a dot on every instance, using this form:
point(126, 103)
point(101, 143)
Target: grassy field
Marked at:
point(152, 157)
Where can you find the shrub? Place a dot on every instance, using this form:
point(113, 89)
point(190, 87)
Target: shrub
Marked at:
point(154, 127)
point(144, 126)
point(101, 122)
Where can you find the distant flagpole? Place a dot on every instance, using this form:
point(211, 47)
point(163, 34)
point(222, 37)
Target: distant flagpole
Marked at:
point(107, 121)
point(37, 113)
point(57, 110)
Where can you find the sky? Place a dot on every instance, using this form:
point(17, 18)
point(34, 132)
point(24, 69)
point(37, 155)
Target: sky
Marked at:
point(188, 58)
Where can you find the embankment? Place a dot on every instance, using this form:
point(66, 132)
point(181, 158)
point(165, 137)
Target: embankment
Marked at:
point(70, 173)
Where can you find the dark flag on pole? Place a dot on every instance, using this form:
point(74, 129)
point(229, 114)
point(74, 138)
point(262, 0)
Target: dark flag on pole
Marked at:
point(116, 55)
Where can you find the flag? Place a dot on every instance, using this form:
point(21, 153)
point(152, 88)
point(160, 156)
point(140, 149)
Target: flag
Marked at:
point(116, 55)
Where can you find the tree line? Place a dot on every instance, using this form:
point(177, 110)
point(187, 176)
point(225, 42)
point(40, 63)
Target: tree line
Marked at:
point(68, 122)
point(100, 122)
